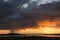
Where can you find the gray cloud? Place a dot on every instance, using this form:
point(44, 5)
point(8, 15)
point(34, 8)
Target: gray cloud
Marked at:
point(13, 16)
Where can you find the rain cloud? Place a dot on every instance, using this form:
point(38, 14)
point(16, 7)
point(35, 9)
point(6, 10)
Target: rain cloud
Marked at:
point(26, 13)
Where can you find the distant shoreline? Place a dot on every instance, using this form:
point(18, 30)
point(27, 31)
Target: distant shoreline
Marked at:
point(31, 35)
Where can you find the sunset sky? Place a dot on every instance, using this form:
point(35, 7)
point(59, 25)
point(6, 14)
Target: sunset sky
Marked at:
point(30, 16)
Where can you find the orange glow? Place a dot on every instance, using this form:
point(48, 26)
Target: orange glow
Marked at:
point(44, 27)
point(4, 31)
point(45, 30)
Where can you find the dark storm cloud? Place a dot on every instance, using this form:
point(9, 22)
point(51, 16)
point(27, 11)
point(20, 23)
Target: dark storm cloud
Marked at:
point(7, 9)
point(30, 17)
point(27, 17)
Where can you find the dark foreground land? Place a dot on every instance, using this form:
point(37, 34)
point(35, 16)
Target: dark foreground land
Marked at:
point(24, 37)
point(29, 38)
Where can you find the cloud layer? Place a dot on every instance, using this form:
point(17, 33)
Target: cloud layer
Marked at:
point(26, 14)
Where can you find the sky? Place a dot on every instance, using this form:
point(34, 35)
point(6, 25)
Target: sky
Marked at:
point(27, 13)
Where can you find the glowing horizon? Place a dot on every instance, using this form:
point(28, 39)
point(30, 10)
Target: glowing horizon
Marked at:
point(44, 27)
point(5, 31)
